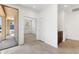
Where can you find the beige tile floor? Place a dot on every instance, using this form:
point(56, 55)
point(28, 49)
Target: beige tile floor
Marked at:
point(33, 46)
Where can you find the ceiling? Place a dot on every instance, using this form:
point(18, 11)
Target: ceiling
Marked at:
point(41, 7)
point(11, 12)
point(68, 7)
point(7, 11)
point(36, 7)
point(71, 6)
point(1, 11)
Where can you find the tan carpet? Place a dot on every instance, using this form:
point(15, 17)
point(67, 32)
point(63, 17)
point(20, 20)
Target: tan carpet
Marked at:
point(69, 44)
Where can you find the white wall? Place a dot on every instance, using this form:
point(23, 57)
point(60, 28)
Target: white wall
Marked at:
point(60, 18)
point(72, 25)
point(48, 26)
point(22, 13)
point(34, 26)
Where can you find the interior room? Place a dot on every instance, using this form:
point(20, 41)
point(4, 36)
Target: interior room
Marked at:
point(39, 28)
point(68, 26)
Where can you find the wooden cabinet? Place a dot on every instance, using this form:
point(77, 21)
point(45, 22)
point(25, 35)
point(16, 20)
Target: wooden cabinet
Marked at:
point(60, 37)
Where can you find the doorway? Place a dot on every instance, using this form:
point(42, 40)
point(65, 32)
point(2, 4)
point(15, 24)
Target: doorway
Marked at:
point(30, 29)
point(8, 26)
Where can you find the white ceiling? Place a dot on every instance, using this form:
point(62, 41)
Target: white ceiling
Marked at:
point(41, 7)
point(36, 7)
point(68, 7)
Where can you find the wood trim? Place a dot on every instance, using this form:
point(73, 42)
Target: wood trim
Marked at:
point(4, 10)
point(3, 27)
point(9, 6)
point(18, 24)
